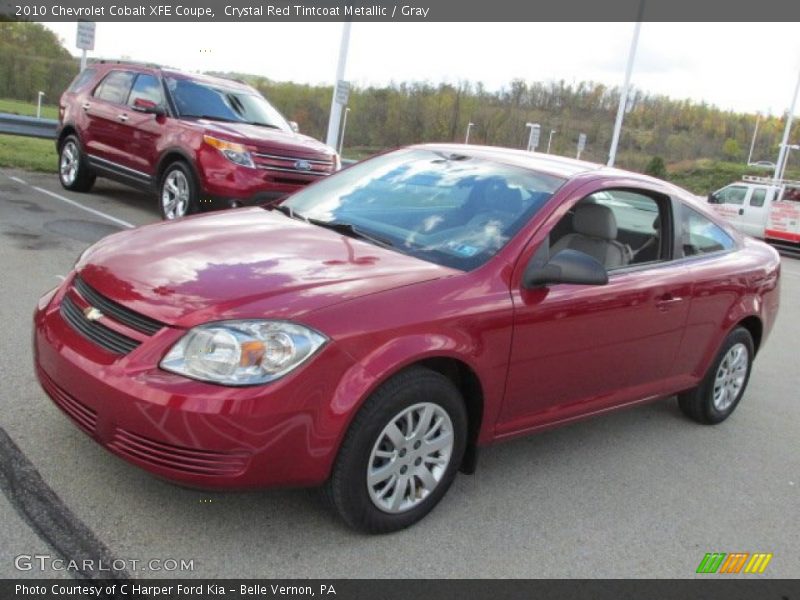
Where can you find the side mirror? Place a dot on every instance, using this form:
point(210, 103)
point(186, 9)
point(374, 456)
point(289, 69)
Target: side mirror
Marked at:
point(144, 105)
point(295, 127)
point(567, 266)
point(712, 199)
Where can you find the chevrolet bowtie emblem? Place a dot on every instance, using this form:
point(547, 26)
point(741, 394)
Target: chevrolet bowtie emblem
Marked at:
point(92, 314)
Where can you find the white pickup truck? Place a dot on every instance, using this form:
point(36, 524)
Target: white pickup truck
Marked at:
point(759, 207)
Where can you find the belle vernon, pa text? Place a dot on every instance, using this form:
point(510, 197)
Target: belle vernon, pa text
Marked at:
point(156, 591)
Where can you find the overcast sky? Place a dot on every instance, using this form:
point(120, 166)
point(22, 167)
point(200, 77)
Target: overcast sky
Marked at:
point(747, 67)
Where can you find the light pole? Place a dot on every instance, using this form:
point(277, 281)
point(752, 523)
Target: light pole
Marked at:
point(789, 148)
point(344, 126)
point(785, 141)
point(623, 97)
point(550, 140)
point(533, 136)
point(753, 142)
point(39, 106)
point(336, 108)
point(470, 125)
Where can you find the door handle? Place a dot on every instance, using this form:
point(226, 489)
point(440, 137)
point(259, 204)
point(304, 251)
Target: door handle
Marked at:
point(741, 211)
point(123, 117)
point(667, 300)
point(86, 106)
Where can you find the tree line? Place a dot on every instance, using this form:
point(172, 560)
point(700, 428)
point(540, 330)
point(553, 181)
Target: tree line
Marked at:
point(32, 58)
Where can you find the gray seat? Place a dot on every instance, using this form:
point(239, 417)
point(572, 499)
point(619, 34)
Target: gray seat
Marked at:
point(595, 234)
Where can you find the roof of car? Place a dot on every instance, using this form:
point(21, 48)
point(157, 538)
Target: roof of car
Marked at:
point(560, 166)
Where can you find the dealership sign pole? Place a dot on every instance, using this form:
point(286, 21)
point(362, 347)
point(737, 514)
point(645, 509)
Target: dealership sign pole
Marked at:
point(85, 39)
point(340, 90)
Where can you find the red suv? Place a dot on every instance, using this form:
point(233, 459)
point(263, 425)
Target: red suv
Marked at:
point(198, 141)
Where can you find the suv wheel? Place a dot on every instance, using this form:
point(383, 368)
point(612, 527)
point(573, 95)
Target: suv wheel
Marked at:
point(400, 454)
point(73, 170)
point(177, 193)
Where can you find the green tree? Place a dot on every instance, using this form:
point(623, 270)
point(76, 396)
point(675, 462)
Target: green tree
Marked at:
point(656, 168)
point(731, 149)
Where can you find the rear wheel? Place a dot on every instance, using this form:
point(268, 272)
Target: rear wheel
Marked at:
point(400, 454)
point(73, 169)
point(177, 193)
point(722, 388)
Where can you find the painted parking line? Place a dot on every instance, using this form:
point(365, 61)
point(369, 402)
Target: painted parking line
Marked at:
point(86, 208)
point(96, 212)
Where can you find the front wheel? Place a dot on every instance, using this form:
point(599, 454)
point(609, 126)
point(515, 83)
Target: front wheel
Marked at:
point(401, 453)
point(722, 388)
point(177, 193)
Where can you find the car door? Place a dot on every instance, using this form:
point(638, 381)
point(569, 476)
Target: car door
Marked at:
point(753, 215)
point(142, 129)
point(729, 203)
point(106, 111)
point(584, 348)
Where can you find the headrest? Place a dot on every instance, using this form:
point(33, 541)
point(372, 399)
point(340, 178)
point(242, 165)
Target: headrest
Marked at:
point(595, 220)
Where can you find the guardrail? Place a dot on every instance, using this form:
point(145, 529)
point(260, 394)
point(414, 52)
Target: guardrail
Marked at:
point(28, 126)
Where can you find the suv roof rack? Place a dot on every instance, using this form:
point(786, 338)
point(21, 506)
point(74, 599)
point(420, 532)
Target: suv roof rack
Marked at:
point(123, 61)
point(770, 181)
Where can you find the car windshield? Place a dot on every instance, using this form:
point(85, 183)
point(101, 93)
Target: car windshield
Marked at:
point(450, 209)
point(218, 103)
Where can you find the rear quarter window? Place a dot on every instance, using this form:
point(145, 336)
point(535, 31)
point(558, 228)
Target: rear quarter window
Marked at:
point(700, 235)
point(83, 79)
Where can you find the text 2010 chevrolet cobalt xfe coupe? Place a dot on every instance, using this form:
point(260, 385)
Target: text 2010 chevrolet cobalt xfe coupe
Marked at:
point(373, 330)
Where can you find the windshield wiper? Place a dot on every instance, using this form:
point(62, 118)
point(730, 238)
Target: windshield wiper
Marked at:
point(352, 231)
point(289, 212)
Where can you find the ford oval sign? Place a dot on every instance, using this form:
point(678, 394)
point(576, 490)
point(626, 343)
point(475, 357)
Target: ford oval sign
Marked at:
point(302, 165)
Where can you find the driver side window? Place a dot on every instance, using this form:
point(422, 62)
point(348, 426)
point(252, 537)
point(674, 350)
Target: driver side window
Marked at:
point(618, 228)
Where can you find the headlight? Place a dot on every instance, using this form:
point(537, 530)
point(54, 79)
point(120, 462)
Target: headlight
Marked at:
point(242, 352)
point(236, 153)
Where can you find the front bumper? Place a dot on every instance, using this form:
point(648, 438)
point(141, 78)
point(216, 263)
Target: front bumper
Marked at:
point(187, 431)
point(225, 184)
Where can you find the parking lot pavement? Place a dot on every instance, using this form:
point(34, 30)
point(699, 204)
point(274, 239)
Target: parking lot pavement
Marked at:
point(639, 493)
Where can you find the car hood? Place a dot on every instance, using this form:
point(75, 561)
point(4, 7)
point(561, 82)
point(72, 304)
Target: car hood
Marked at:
point(275, 139)
point(246, 263)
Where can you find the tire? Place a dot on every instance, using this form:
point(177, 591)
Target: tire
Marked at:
point(177, 192)
point(74, 172)
point(379, 505)
point(724, 384)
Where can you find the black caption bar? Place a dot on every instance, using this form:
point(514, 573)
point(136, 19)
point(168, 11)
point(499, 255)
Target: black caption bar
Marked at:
point(403, 11)
point(595, 589)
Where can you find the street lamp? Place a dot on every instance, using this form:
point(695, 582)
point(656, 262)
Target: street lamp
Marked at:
point(39, 106)
point(344, 125)
point(470, 125)
point(550, 140)
point(533, 136)
point(623, 96)
point(788, 148)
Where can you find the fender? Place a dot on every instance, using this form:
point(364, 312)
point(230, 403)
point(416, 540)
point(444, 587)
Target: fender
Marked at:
point(397, 354)
point(746, 306)
point(171, 150)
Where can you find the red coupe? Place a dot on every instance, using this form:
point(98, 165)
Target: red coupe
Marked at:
point(372, 331)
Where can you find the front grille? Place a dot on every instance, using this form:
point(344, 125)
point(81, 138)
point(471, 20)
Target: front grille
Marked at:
point(314, 167)
point(179, 458)
point(84, 417)
point(116, 311)
point(98, 333)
